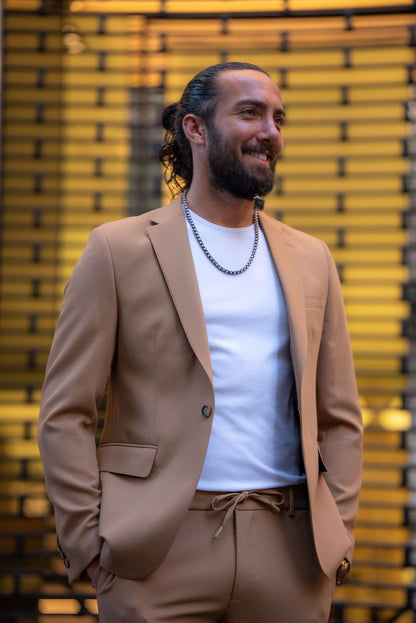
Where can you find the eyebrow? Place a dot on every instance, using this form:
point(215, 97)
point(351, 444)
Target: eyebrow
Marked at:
point(258, 104)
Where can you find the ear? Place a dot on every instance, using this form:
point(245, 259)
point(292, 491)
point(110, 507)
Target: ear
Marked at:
point(194, 129)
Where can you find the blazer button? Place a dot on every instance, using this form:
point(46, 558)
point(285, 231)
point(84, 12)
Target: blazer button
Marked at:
point(206, 411)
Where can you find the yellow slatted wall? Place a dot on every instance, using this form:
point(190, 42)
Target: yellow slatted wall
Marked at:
point(84, 84)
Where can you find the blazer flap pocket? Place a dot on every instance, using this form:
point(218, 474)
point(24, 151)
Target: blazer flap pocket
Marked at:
point(127, 459)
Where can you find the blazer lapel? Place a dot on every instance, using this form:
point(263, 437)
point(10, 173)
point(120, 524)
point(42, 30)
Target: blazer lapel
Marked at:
point(287, 262)
point(170, 242)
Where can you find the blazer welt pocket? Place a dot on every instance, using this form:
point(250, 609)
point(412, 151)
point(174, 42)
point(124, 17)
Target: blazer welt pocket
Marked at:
point(127, 459)
point(314, 301)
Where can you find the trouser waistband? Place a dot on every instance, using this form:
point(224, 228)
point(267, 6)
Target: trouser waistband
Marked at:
point(279, 499)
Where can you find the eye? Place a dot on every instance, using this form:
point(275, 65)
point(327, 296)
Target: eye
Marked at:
point(249, 111)
point(280, 121)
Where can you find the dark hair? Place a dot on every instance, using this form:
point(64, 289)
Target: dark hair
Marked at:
point(199, 98)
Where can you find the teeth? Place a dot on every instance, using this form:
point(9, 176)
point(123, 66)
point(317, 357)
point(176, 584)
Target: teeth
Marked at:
point(260, 156)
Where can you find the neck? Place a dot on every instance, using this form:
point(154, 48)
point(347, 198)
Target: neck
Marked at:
point(221, 207)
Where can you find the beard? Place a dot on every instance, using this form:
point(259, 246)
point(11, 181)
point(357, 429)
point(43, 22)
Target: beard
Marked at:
point(230, 173)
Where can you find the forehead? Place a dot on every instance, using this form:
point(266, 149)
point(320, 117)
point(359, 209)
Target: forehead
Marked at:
point(245, 85)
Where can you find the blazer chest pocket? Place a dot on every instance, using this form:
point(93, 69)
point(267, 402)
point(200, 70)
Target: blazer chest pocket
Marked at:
point(127, 459)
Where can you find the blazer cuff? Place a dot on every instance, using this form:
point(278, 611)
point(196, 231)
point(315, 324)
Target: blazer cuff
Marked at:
point(77, 561)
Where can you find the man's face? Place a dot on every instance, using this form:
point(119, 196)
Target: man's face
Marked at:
point(244, 139)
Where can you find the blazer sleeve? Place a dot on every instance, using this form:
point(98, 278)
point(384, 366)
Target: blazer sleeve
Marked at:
point(339, 416)
point(77, 372)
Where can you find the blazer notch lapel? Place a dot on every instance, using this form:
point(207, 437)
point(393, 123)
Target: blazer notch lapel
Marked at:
point(285, 254)
point(170, 242)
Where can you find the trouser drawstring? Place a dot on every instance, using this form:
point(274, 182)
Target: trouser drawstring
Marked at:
point(274, 499)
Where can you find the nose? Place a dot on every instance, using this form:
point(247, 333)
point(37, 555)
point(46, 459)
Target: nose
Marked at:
point(271, 132)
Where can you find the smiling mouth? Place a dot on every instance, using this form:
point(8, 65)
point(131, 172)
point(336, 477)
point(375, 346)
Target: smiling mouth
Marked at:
point(259, 155)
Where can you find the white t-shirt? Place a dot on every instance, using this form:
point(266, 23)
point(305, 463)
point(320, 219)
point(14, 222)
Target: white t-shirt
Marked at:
point(254, 442)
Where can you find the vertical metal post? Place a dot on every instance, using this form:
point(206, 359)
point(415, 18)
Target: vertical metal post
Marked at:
point(1, 107)
point(1, 143)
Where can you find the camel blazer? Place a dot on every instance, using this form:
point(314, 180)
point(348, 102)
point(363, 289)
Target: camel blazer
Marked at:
point(132, 322)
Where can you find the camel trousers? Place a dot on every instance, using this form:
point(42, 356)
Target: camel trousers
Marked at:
point(244, 557)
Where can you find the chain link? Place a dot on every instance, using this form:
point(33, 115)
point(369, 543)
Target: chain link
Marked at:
point(205, 250)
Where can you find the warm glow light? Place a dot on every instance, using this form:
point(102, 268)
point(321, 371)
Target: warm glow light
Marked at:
point(35, 507)
point(91, 605)
point(58, 606)
point(77, 5)
point(368, 416)
point(395, 419)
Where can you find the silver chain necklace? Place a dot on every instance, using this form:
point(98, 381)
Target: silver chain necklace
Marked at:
point(205, 250)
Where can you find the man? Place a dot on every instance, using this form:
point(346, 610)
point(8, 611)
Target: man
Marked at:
point(226, 481)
